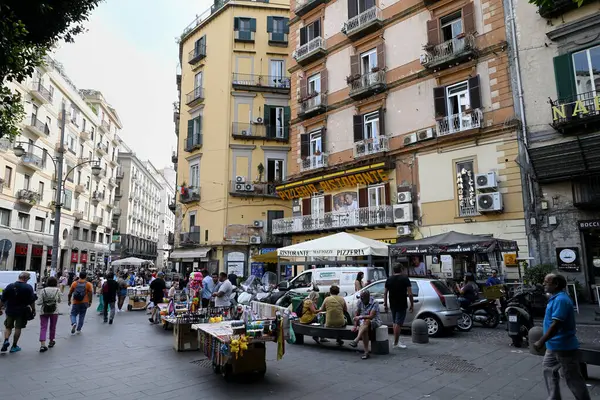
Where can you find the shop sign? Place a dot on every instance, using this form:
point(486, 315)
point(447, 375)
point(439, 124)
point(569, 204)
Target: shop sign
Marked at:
point(388, 241)
point(568, 259)
point(235, 256)
point(37, 251)
point(323, 252)
point(236, 267)
point(590, 224)
point(257, 269)
point(74, 257)
point(510, 259)
point(579, 109)
point(267, 250)
point(83, 258)
point(333, 184)
point(21, 249)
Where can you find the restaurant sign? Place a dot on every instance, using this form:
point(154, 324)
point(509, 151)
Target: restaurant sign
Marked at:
point(577, 108)
point(334, 183)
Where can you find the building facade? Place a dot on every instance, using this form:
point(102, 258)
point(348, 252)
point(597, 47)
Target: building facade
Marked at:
point(139, 202)
point(561, 116)
point(27, 184)
point(166, 219)
point(233, 134)
point(399, 138)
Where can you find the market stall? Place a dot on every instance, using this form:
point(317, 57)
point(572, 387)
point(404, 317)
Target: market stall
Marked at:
point(132, 262)
point(138, 297)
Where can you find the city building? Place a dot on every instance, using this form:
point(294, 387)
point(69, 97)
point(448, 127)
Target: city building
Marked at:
point(233, 134)
point(27, 184)
point(138, 197)
point(557, 68)
point(403, 124)
point(166, 220)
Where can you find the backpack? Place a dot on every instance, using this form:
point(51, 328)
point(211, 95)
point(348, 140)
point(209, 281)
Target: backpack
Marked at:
point(105, 287)
point(48, 304)
point(300, 309)
point(80, 290)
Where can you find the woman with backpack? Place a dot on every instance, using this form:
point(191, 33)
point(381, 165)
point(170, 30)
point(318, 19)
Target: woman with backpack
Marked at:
point(48, 300)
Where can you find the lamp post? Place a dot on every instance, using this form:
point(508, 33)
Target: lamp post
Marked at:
point(19, 151)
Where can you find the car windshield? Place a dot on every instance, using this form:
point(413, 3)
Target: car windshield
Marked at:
point(376, 274)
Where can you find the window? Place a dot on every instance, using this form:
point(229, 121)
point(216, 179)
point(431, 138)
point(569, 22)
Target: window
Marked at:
point(5, 217)
point(41, 190)
point(314, 87)
point(84, 123)
point(200, 47)
point(76, 233)
point(39, 224)
point(79, 177)
point(451, 26)
point(48, 122)
point(93, 238)
point(244, 28)
point(310, 32)
point(377, 290)
point(368, 61)
point(90, 155)
point(275, 170)
point(376, 195)
point(465, 188)
point(276, 121)
point(277, 72)
point(457, 97)
point(8, 176)
point(195, 175)
point(586, 64)
point(81, 150)
point(192, 219)
point(371, 125)
point(23, 221)
point(86, 234)
point(244, 24)
point(68, 199)
point(356, 7)
point(271, 216)
point(316, 143)
point(26, 181)
point(88, 183)
point(51, 90)
point(51, 227)
point(461, 103)
point(86, 208)
point(100, 237)
point(317, 206)
point(34, 111)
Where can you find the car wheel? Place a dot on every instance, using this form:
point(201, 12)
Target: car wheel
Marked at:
point(434, 326)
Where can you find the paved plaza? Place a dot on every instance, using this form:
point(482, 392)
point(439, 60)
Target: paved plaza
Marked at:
point(134, 360)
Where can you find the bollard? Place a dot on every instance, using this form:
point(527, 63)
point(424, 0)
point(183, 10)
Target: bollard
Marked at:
point(420, 332)
point(536, 334)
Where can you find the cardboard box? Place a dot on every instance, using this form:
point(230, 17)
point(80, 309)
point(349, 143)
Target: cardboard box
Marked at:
point(184, 338)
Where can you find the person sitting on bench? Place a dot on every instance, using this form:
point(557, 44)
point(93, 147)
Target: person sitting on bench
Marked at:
point(366, 319)
point(334, 307)
point(310, 311)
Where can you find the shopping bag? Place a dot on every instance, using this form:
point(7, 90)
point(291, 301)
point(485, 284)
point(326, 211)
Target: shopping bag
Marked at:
point(292, 338)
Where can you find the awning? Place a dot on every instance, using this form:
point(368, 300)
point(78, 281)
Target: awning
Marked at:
point(270, 257)
point(198, 252)
point(453, 242)
point(339, 244)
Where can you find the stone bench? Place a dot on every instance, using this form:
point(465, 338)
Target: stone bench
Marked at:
point(379, 337)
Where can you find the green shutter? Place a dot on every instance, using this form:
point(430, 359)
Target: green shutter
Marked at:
point(190, 128)
point(267, 121)
point(236, 23)
point(252, 24)
point(287, 116)
point(199, 122)
point(286, 25)
point(564, 76)
point(269, 24)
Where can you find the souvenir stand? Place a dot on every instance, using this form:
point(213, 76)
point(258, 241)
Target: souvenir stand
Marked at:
point(138, 297)
point(239, 346)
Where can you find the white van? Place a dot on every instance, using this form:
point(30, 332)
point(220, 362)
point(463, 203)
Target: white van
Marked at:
point(8, 277)
point(323, 278)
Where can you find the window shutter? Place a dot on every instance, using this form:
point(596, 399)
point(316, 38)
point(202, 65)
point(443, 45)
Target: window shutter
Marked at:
point(363, 198)
point(236, 23)
point(303, 36)
point(287, 117)
point(304, 145)
point(358, 128)
point(563, 75)
point(286, 25)
point(269, 24)
point(327, 203)
point(468, 16)
point(303, 88)
point(354, 65)
point(199, 121)
point(474, 92)
point(317, 28)
point(252, 24)
point(352, 8)
point(381, 122)
point(270, 170)
point(324, 81)
point(439, 101)
point(306, 206)
point(267, 115)
point(387, 194)
point(381, 55)
point(324, 140)
point(433, 32)
point(190, 128)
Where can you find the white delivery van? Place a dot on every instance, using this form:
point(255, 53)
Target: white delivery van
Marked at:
point(323, 278)
point(8, 277)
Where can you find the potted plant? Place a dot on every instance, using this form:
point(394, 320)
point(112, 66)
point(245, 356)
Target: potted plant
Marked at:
point(375, 69)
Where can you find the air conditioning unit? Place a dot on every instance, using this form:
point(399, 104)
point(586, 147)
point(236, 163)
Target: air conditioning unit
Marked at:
point(403, 230)
point(239, 187)
point(410, 139)
point(486, 182)
point(403, 213)
point(258, 223)
point(255, 239)
point(248, 187)
point(425, 134)
point(404, 197)
point(489, 202)
point(244, 133)
point(258, 120)
point(240, 179)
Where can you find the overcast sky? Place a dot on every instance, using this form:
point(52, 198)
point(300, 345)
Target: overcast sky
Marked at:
point(129, 54)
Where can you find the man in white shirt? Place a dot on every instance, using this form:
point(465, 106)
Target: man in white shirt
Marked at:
point(223, 292)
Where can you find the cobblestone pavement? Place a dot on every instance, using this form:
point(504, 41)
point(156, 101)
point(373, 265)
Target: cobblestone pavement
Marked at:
point(134, 360)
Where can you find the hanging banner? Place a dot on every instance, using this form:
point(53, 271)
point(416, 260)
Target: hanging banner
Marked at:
point(74, 257)
point(83, 258)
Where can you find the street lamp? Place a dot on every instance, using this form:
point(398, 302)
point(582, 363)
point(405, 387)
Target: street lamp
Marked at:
point(19, 151)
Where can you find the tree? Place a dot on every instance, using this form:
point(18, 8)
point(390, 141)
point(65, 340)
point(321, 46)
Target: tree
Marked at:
point(28, 30)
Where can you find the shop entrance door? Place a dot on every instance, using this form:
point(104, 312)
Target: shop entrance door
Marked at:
point(591, 241)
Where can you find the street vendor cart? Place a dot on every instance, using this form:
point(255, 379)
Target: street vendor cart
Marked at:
point(138, 297)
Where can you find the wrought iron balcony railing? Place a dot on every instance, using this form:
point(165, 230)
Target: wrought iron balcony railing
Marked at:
point(38, 127)
point(193, 142)
point(367, 83)
point(314, 162)
point(262, 82)
point(28, 196)
point(34, 161)
point(42, 93)
point(309, 50)
point(313, 104)
point(573, 111)
point(197, 54)
point(250, 189)
point(366, 19)
point(244, 130)
point(371, 146)
point(195, 96)
point(449, 51)
point(459, 122)
point(189, 195)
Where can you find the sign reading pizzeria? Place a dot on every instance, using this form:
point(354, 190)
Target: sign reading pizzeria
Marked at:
point(568, 259)
point(330, 183)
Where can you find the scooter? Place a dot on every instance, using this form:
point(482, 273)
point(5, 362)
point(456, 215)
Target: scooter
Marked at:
point(520, 318)
point(481, 311)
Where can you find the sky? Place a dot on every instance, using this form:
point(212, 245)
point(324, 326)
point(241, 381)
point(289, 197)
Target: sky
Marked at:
point(130, 54)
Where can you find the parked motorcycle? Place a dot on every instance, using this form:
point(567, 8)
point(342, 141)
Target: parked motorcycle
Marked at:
point(482, 311)
point(520, 318)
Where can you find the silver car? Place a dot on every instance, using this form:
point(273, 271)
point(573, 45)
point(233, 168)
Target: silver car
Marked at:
point(435, 303)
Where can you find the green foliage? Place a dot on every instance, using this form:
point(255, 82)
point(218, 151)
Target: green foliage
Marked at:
point(28, 30)
point(549, 4)
point(535, 275)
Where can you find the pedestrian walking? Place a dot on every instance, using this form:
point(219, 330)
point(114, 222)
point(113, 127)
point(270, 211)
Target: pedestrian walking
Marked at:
point(99, 285)
point(122, 282)
point(157, 290)
point(19, 300)
point(398, 288)
point(81, 293)
point(49, 298)
point(62, 282)
point(109, 296)
point(562, 347)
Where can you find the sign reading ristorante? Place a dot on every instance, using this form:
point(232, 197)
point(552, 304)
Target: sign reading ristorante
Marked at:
point(333, 182)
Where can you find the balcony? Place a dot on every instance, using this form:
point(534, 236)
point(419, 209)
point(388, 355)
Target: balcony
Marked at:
point(78, 215)
point(110, 205)
point(314, 162)
point(105, 126)
point(246, 131)
point(459, 122)
point(79, 189)
point(28, 197)
point(196, 55)
point(116, 212)
point(85, 135)
point(97, 197)
point(278, 39)
point(194, 97)
point(174, 157)
point(113, 161)
point(37, 127)
point(189, 195)
point(261, 83)
point(118, 194)
point(97, 221)
point(101, 149)
point(243, 36)
point(120, 173)
point(577, 113)
point(364, 23)
point(311, 51)
point(112, 182)
point(312, 105)
point(171, 239)
point(304, 6)
point(41, 93)
point(367, 84)
point(172, 205)
point(189, 239)
point(193, 142)
point(33, 161)
point(5, 144)
point(367, 147)
point(336, 220)
point(455, 50)
point(248, 189)
point(556, 8)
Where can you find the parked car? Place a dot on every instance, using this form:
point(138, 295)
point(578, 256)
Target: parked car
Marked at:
point(323, 278)
point(434, 303)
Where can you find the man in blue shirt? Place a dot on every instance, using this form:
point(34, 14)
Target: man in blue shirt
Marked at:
point(208, 286)
point(19, 300)
point(562, 346)
point(493, 280)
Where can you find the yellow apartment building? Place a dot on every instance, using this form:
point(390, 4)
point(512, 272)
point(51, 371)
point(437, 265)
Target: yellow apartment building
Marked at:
point(403, 124)
point(233, 135)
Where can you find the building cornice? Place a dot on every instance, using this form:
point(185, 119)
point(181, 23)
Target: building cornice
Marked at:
point(574, 27)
